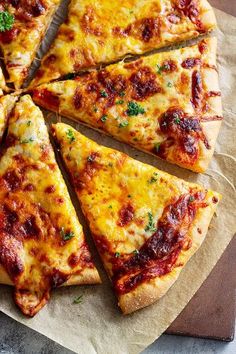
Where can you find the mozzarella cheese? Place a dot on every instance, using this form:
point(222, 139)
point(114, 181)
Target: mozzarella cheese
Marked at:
point(103, 31)
point(127, 203)
point(19, 44)
point(167, 104)
point(42, 243)
point(6, 105)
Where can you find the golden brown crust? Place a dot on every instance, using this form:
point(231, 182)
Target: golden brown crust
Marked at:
point(149, 292)
point(208, 17)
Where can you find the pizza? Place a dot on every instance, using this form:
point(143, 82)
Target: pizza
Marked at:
point(146, 224)
point(167, 104)
point(23, 24)
point(2, 83)
point(103, 31)
point(42, 245)
point(7, 104)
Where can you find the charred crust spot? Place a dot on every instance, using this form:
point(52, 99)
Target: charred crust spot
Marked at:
point(50, 59)
point(13, 181)
point(30, 227)
point(7, 37)
point(149, 28)
point(29, 188)
point(77, 99)
point(87, 22)
point(215, 200)
point(169, 66)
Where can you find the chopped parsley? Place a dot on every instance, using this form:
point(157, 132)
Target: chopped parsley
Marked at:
point(117, 254)
point(6, 21)
point(157, 147)
point(29, 123)
point(103, 93)
point(177, 120)
point(169, 84)
point(123, 124)
point(95, 109)
point(66, 235)
point(150, 226)
point(78, 299)
point(110, 164)
point(191, 199)
point(26, 141)
point(152, 180)
point(122, 94)
point(129, 196)
point(104, 118)
point(110, 207)
point(136, 252)
point(69, 76)
point(120, 102)
point(160, 69)
point(134, 109)
point(70, 135)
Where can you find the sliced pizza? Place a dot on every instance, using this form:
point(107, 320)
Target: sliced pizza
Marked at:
point(146, 223)
point(2, 83)
point(167, 104)
point(7, 104)
point(23, 24)
point(103, 31)
point(42, 244)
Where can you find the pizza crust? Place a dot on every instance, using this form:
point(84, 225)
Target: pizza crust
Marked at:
point(149, 292)
point(208, 17)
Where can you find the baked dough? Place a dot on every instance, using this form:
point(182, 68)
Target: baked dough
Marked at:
point(167, 104)
point(146, 223)
point(103, 31)
point(42, 244)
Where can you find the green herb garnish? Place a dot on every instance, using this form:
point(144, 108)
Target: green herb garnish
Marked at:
point(122, 94)
point(117, 254)
point(124, 124)
point(29, 123)
point(103, 93)
point(136, 252)
point(150, 226)
point(95, 109)
point(191, 199)
point(78, 300)
point(110, 207)
point(157, 147)
point(152, 180)
point(66, 235)
point(26, 141)
point(6, 21)
point(129, 196)
point(90, 158)
point(134, 109)
point(120, 102)
point(70, 135)
point(169, 84)
point(104, 118)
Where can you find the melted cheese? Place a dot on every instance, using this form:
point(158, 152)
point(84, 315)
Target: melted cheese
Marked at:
point(42, 243)
point(104, 31)
point(2, 82)
point(19, 45)
point(157, 83)
point(6, 105)
point(107, 181)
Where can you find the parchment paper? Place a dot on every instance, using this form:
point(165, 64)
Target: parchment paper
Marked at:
point(96, 325)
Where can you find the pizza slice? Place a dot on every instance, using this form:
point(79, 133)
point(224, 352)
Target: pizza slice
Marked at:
point(146, 223)
point(167, 104)
point(42, 245)
point(7, 104)
point(2, 83)
point(23, 24)
point(103, 31)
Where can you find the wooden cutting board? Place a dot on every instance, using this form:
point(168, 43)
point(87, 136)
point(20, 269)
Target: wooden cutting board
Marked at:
point(211, 312)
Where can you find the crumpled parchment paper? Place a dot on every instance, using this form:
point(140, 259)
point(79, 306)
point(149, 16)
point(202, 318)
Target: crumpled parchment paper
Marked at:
point(96, 325)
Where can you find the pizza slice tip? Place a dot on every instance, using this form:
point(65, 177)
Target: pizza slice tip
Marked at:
point(42, 245)
point(146, 224)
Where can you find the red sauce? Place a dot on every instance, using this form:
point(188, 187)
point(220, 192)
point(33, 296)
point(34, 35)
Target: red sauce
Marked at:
point(57, 278)
point(196, 89)
point(210, 119)
point(159, 253)
point(144, 84)
point(191, 62)
point(47, 98)
point(202, 46)
point(169, 66)
point(213, 94)
point(126, 214)
point(87, 22)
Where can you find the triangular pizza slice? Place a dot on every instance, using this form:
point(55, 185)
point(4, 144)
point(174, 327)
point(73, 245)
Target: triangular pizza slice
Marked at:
point(103, 31)
point(23, 24)
point(167, 104)
point(42, 244)
point(146, 223)
point(6, 106)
